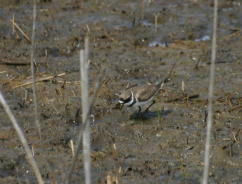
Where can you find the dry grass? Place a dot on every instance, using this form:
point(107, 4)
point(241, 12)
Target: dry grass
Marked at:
point(32, 57)
point(210, 96)
point(22, 138)
point(87, 105)
point(84, 133)
point(84, 68)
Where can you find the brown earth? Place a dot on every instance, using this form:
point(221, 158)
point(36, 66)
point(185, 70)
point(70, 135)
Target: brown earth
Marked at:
point(167, 146)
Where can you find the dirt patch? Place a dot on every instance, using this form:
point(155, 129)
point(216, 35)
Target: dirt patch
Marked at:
point(165, 147)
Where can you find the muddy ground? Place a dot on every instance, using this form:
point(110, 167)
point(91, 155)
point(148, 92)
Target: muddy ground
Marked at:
point(167, 146)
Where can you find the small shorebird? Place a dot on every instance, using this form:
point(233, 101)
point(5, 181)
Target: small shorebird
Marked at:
point(138, 96)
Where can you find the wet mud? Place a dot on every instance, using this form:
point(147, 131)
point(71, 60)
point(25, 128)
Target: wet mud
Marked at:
point(137, 43)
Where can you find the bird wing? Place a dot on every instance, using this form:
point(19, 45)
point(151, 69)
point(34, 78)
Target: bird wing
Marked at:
point(146, 92)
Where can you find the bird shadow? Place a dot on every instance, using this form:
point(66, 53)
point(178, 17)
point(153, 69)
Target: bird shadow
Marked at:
point(149, 115)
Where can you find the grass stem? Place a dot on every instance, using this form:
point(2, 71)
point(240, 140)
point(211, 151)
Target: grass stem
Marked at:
point(210, 96)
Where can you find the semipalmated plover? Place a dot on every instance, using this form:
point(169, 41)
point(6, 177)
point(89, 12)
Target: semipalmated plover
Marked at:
point(138, 96)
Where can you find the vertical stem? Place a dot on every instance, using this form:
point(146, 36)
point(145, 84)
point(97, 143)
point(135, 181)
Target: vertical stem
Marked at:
point(142, 9)
point(210, 96)
point(84, 66)
point(86, 51)
point(156, 20)
point(13, 28)
point(32, 55)
point(86, 107)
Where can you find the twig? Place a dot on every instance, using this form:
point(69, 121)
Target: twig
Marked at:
point(166, 79)
point(13, 28)
point(142, 10)
point(20, 30)
point(40, 79)
point(32, 55)
point(210, 96)
point(156, 21)
point(4, 62)
point(238, 107)
point(183, 97)
point(16, 62)
point(72, 147)
point(22, 139)
point(235, 135)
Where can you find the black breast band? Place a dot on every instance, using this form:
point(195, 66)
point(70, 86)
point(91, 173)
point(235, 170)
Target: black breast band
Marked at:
point(132, 103)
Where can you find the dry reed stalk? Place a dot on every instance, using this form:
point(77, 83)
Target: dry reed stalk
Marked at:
point(72, 148)
point(13, 27)
point(96, 89)
point(156, 22)
point(210, 95)
point(32, 55)
point(20, 30)
point(142, 10)
point(38, 79)
point(84, 124)
point(22, 138)
point(84, 68)
point(15, 61)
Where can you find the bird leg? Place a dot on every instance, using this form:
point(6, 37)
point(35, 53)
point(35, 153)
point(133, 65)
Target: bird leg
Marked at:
point(147, 109)
point(139, 110)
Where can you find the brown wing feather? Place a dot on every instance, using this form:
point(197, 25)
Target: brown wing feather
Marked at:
point(146, 92)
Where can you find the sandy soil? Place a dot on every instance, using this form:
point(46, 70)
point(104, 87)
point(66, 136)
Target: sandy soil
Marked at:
point(167, 146)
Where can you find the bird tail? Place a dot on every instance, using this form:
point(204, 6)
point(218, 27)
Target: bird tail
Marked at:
point(166, 79)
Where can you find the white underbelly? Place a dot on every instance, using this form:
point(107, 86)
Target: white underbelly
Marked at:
point(142, 103)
